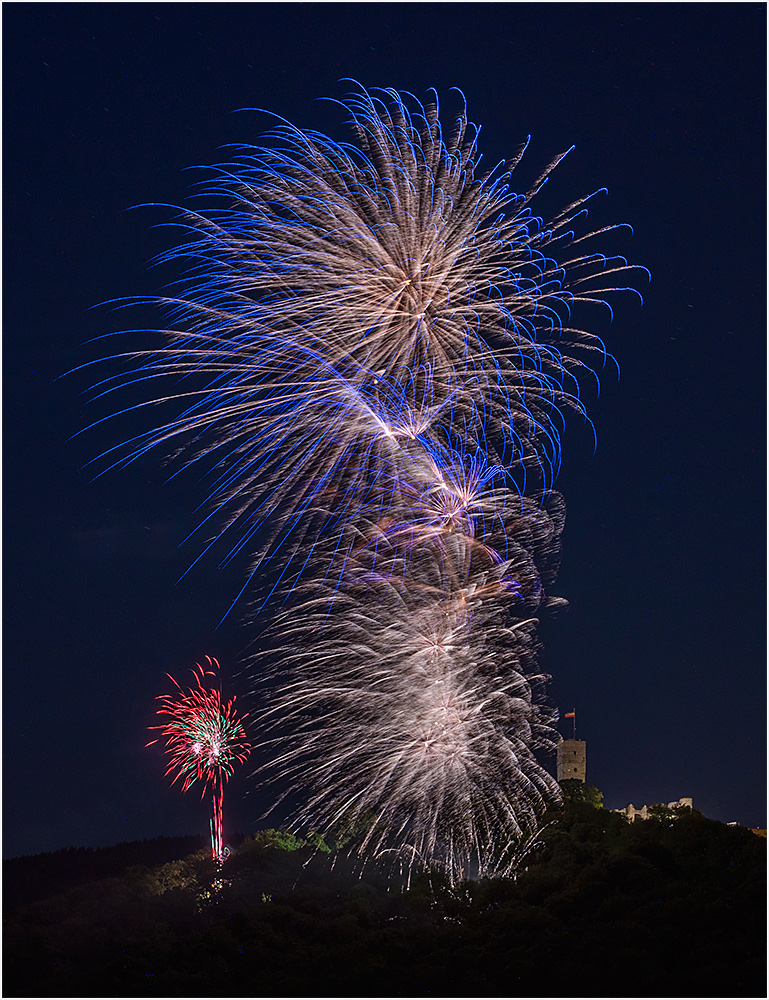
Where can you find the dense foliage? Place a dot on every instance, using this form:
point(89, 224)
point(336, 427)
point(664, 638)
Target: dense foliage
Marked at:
point(601, 907)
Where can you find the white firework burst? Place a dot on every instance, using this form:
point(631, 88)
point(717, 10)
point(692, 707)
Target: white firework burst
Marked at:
point(374, 345)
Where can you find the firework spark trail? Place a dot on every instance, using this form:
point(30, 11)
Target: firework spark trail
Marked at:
point(205, 740)
point(376, 347)
point(413, 702)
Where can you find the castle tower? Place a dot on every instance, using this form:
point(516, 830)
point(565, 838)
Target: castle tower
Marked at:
point(571, 760)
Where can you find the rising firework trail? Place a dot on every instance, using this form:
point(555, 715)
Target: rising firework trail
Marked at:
point(375, 349)
point(205, 740)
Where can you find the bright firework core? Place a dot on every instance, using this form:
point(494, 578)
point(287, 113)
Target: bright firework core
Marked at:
point(375, 349)
point(205, 740)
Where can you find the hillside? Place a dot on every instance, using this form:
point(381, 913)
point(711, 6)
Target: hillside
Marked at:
point(603, 908)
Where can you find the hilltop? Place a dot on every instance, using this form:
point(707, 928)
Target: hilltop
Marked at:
point(601, 907)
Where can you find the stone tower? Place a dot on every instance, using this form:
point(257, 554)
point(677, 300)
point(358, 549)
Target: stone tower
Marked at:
point(571, 760)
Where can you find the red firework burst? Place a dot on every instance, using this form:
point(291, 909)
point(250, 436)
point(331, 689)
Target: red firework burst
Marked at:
point(205, 739)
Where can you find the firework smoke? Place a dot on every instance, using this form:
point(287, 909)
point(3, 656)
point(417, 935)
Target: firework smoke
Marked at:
point(376, 346)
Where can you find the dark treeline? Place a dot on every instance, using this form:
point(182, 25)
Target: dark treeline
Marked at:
point(672, 906)
point(38, 876)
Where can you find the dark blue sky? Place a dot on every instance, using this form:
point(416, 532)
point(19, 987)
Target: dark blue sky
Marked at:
point(662, 652)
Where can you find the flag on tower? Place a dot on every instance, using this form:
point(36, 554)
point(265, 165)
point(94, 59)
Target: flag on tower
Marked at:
point(570, 715)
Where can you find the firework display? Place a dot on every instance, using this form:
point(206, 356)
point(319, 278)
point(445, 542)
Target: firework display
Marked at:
point(205, 740)
point(375, 348)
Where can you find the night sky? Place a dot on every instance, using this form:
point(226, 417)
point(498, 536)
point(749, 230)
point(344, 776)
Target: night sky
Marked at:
point(662, 651)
